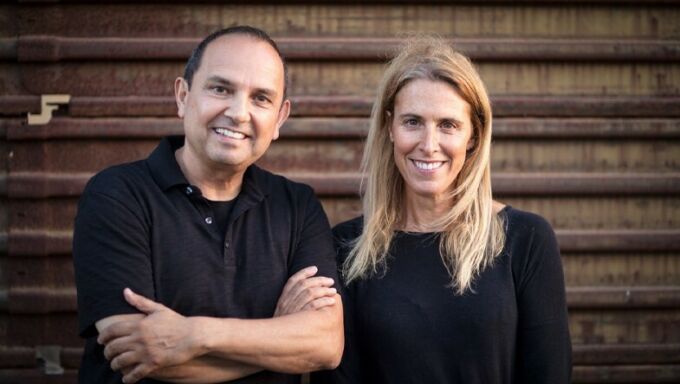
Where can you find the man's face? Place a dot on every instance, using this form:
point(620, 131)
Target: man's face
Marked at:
point(234, 107)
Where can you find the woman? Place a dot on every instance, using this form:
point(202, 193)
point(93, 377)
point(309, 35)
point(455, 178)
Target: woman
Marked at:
point(444, 285)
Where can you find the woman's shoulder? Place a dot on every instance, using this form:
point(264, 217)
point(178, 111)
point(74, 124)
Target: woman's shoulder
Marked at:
point(519, 222)
point(348, 230)
point(344, 235)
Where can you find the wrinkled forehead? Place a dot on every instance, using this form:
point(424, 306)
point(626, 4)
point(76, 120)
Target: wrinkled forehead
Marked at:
point(243, 58)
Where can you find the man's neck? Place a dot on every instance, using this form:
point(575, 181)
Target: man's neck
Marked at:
point(216, 183)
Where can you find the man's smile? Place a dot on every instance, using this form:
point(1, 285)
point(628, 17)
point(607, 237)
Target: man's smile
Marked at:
point(229, 133)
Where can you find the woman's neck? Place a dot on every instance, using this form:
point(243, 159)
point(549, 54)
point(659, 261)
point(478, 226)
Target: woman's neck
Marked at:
point(424, 213)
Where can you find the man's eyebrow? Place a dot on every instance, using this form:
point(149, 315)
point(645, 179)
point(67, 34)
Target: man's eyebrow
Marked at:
point(266, 91)
point(219, 80)
point(222, 81)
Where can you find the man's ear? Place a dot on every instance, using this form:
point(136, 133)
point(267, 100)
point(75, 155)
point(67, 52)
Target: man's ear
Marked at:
point(181, 94)
point(284, 112)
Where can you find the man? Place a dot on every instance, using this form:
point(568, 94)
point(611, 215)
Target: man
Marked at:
point(219, 256)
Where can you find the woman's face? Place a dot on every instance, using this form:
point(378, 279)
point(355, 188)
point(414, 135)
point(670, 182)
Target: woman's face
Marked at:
point(431, 132)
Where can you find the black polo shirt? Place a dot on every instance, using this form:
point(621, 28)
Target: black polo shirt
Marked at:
point(142, 225)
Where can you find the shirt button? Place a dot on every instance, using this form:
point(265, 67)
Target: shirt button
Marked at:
point(208, 220)
point(226, 244)
point(189, 190)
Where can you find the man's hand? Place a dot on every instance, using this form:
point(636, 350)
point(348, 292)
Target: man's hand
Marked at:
point(303, 292)
point(163, 338)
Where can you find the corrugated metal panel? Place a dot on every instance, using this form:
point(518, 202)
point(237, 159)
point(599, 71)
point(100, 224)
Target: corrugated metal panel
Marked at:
point(586, 98)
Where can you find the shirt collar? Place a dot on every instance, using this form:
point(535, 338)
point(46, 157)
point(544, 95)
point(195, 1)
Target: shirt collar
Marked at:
point(166, 171)
point(162, 163)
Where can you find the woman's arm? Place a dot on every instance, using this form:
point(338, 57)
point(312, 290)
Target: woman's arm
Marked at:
point(543, 342)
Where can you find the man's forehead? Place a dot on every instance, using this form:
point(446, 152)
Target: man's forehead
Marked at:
point(240, 52)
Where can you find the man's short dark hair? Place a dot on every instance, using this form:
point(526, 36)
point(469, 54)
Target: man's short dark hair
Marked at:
point(194, 61)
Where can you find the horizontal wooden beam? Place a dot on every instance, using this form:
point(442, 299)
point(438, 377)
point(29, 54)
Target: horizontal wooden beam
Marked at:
point(620, 374)
point(45, 184)
point(583, 354)
point(49, 48)
point(38, 300)
point(322, 128)
point(624, 297)
point(37, 376)
point(378, 2)
point(29, 243)
point(531, 184)
point(358, 106)
point(649, 374)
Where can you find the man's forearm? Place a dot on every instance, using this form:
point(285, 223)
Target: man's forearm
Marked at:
point(205, 369)
point(296, 343)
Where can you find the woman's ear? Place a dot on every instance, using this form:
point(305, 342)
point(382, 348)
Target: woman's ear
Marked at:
point(388, 119)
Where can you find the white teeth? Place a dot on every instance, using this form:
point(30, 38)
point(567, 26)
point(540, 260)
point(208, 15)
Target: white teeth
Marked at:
point(428, 166)
point(230, 133)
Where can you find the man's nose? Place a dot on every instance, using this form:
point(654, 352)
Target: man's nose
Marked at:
point(238, 109)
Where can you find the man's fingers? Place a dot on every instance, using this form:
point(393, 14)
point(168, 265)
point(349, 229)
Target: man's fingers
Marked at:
point(124, 360)
point(142, 303)
point(311, 294)
point(115, 330)
point(308, 284)
point(117, 346)
point(138, 373)
point(319, 303)
point(299, 275)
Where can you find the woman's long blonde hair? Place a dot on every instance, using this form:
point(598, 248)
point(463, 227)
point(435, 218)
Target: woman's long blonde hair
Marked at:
point(472, 234)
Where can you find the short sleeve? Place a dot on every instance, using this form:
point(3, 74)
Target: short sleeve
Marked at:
point(111, 251)
point(543, 342)
point(314, 245)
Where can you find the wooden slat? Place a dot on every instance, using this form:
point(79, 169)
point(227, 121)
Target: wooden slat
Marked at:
point(357, 106)
point(583, 354)
point(36, 48)
point(627, 374)
point(35, 376)
point(623, 297)
point(43, 300)
point(603, 354)
point(45, 184)
point(25, 357)
point(45, 242)
point(322, 128)
point(393, 2)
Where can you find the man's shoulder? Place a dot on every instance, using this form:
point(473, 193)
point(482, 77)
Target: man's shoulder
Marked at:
point(121, 178)
point(280, 184)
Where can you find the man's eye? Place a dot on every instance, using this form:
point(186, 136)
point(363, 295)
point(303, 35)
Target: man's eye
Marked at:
point(219, 90)
point(411, 122)
point(261, 99)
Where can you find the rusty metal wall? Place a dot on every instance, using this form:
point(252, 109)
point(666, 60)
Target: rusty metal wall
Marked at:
point(586, 96)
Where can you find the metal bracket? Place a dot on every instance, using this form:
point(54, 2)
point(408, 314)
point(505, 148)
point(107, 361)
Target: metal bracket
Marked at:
point(48, 104)
point(50, 356)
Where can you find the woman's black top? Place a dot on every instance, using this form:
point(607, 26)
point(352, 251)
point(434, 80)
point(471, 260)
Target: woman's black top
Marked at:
point(406, 325)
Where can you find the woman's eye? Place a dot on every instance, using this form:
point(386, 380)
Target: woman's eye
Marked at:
point(448, 125)
point(411, 122)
